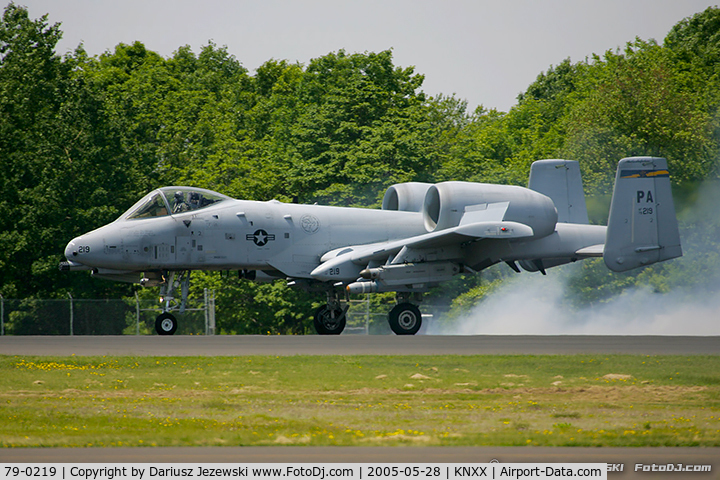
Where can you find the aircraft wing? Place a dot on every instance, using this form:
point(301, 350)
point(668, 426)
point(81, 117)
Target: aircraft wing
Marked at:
point(444, 238)
point(361, 255)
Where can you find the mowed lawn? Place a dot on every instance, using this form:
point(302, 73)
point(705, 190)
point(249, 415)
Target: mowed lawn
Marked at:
point(617, 400)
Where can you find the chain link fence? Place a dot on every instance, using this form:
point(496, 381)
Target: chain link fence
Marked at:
point(136, 316)
point(133, 316)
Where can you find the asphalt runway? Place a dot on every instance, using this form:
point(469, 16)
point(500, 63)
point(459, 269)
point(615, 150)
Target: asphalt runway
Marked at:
point(236, 345)
point(228, 345)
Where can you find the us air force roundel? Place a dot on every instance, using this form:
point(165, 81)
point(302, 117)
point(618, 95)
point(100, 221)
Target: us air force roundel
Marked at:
point(260, 237)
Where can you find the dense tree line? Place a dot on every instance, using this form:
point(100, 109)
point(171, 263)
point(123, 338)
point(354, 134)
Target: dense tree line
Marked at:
point(82, 138)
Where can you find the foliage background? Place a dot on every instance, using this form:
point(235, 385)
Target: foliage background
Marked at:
point(82, 138)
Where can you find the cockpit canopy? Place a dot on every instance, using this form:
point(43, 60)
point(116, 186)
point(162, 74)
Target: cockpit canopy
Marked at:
point(171, 201)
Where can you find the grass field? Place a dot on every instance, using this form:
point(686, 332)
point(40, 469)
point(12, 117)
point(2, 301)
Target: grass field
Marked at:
point(360, 400)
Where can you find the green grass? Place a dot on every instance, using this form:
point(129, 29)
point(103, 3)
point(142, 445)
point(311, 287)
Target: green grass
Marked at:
point(578, 400)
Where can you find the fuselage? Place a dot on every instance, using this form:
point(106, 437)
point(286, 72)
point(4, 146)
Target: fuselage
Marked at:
point(238, 234)
point(220, 233)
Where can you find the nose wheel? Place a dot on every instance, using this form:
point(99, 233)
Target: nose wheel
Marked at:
point(166, 324)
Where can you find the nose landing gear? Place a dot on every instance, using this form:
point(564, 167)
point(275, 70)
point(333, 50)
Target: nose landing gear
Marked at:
point(166, 323)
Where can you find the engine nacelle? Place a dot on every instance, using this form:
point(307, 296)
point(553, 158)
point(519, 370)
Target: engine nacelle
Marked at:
point(405, 197)
point(446, 203)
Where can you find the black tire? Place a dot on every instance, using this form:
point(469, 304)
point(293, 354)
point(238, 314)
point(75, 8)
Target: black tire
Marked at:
point(405, 319)
point(165, 324)
point(328, 322)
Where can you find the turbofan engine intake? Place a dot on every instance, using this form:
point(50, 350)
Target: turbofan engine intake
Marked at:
point(405, 197)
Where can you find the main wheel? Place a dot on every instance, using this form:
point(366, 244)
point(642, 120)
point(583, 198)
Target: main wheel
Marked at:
point(329, 321)
point(165, 324)
point(405, 319)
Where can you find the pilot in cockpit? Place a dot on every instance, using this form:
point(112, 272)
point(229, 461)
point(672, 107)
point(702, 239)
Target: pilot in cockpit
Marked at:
point(194, 201)
point(180, 205)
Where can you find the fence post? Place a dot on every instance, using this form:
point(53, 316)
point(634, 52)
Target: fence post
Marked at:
point(205, 311)
point(367, 314)
point(212, 312)
point(71, 314)
point(2, 315)
point(137, 314)
point(209, 312)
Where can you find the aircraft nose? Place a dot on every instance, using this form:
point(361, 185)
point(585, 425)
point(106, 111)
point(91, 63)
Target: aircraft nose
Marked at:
point(71, 253)
point(71, 250)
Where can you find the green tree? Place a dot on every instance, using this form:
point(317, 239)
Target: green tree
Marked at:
point(32, 79)
point(632, 104)
point(363, 126)
point(51, 144)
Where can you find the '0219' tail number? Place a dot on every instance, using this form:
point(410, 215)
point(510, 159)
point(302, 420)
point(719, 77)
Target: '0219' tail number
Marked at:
point(83, 248)
point(334, 271)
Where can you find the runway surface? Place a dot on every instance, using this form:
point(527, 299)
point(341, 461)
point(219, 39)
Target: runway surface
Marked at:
point(236, 345)
point(228, 345)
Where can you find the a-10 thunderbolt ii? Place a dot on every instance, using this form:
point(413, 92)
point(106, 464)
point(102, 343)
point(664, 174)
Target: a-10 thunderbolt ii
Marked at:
point(423, 235)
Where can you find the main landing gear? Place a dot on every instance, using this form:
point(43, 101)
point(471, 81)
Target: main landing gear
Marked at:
point(405, 318)
point(330, 319)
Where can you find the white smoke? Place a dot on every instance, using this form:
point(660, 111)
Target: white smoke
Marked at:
point(530, 304)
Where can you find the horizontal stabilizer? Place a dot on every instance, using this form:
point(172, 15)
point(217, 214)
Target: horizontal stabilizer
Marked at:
point(591, 251)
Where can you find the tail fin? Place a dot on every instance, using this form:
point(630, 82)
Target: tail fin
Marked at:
point(561, 181)
point(642, 228)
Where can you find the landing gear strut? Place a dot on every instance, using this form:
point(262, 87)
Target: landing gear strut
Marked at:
point(166, 323)
point(330, 319)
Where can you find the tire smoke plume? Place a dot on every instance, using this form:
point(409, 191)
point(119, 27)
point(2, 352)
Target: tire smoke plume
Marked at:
point(529, 304)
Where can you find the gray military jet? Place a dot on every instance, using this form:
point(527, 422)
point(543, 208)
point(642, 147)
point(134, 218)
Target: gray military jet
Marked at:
point(423, 235)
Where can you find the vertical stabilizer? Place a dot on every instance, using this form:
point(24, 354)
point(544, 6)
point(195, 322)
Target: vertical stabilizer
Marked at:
point(642, 228)
point(561, 181)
